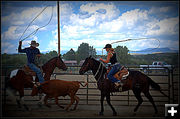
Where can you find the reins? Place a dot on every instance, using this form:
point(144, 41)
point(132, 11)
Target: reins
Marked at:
point(100, 65)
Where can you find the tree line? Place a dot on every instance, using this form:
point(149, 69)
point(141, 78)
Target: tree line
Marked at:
point(85, 50)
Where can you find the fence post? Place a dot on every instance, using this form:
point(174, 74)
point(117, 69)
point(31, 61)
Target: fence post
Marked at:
point(172, 84)
point(169, 86)
point(128, 97)
point(87, 89)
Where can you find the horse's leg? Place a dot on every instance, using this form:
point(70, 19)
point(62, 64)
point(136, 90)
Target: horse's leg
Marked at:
point(77, 101)
point(102, 106)
point(41, 98)
point(137, 94)
point(56, 100)
point(108, 99)
point(148, 95)
point(21, 93)
point(12, 95)
point(45, 101)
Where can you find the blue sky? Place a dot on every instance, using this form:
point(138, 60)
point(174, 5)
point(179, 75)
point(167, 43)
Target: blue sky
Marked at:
point(93, 22)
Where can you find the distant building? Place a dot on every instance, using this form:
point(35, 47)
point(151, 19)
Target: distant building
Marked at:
point(81, 62)
point(71, 62)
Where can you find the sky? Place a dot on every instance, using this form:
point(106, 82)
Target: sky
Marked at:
point(94, 22)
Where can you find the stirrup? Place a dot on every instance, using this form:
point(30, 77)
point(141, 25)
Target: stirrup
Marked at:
point(39, 86)
point(118, 85)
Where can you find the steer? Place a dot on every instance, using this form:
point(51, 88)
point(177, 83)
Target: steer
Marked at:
point(56, 88)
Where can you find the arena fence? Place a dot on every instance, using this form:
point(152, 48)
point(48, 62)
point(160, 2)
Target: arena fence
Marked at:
point(166, 78)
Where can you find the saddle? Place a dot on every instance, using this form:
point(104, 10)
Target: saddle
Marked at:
point(122, 74)
point(27, 70)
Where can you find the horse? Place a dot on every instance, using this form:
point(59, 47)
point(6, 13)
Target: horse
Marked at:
point(19, 79)
point(135, 81)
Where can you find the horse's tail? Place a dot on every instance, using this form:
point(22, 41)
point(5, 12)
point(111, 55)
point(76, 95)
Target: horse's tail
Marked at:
point(9, 89)
point(155, 86)
point(83, 85)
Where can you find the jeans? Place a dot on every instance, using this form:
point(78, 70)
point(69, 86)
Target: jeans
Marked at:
point(113, 71)
point(37, 70)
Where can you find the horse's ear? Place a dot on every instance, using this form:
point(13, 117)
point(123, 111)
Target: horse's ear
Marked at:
point(59, 56)
point(90, 56)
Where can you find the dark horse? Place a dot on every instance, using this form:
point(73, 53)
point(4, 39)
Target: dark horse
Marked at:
point(18, 79)
point(136, 81)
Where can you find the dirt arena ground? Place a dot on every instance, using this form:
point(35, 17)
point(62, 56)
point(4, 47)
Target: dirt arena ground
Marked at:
point(83, 111)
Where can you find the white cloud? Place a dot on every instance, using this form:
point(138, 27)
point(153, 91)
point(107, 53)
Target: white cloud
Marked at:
point(128, 20)
point(8, 47)
point(167, 26)
point(110, 11)
point(11, 33)
point(158, 10)
point(27, 15)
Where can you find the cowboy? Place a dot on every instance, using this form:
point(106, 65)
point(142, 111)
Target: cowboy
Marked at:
point(31, 53)
point(111, 57)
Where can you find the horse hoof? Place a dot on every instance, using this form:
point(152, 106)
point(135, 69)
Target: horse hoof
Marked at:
point(101, 113)
point(72, 109)
point(19, 104)
point(48, 106)
point(155, 114)
point(114, 113)
point(26, 107)
point(39, 104)
point(67, 110)
point(61, 107)
point(134, 114)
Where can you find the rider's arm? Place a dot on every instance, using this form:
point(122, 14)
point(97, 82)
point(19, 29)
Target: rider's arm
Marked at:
point(108, 58)
point(19, 48)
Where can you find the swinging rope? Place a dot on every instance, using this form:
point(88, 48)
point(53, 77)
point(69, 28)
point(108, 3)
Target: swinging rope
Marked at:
point(34, 32)
point(137, 39)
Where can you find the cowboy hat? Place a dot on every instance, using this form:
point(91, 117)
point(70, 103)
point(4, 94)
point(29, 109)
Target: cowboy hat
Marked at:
point(108, 46)
point(34, 44)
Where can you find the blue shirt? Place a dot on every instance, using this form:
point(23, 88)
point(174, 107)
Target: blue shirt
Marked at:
point(30, 52)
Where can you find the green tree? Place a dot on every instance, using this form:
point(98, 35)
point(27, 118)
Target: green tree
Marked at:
point(82, 52)
point(123, 56)
point(46, 57)
point(70, 55)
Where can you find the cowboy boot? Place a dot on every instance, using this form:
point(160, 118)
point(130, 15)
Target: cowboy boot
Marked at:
point(39, 86)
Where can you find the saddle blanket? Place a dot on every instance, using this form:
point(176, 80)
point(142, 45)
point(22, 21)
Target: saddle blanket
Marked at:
point(14, 73)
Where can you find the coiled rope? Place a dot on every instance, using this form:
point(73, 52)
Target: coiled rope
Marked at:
point(34, 32)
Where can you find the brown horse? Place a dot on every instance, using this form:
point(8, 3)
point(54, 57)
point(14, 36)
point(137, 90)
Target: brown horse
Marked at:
point(135, 81)
point(19, 79)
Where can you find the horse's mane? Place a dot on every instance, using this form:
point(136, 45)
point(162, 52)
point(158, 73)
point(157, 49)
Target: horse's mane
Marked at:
point(50, 60)
point(98, 62)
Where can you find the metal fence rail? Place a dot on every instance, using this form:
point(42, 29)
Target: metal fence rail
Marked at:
point(169, 84)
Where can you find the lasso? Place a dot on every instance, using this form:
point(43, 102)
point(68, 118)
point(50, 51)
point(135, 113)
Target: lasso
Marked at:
point(137, 39)
point(37, 28)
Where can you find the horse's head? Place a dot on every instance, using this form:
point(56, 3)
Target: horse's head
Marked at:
point(60, 64)
point(87, 65)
